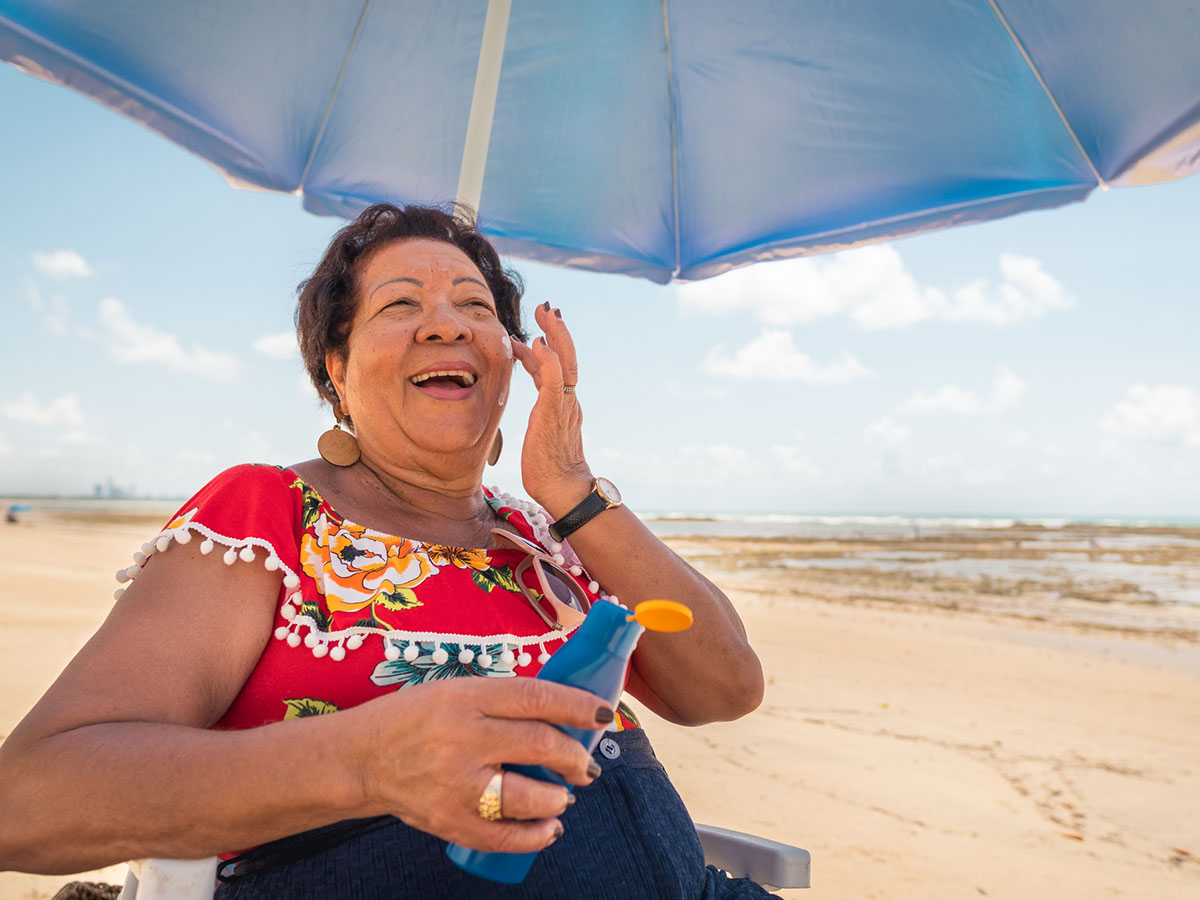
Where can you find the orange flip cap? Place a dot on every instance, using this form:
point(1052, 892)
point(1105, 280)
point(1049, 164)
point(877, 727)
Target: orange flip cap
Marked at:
point(662, 615)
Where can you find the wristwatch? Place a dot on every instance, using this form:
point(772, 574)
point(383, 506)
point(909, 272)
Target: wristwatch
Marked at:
point(604, 496)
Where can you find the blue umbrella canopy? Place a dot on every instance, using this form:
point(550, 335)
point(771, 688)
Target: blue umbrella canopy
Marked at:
point(668, 140)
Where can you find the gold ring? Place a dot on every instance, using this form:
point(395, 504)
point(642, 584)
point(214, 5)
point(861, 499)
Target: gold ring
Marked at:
point(568, 388)
point(489, 801)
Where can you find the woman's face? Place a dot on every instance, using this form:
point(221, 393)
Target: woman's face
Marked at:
point(423, 307)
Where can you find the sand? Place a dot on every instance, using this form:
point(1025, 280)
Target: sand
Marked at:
point(923, 735)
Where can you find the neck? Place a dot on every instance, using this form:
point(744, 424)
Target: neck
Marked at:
point(457, 498)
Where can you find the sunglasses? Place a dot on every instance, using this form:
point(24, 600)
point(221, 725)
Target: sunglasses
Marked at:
point(561, 603)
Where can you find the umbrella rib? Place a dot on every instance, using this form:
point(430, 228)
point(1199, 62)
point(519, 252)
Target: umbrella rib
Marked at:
point(674, 149)
point(1046, 88)
point(337, 86)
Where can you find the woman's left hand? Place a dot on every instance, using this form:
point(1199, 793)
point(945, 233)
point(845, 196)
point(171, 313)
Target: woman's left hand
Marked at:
point(553, 469)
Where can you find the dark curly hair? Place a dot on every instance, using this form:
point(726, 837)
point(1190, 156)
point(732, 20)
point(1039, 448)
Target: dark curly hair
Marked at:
point(328, 298)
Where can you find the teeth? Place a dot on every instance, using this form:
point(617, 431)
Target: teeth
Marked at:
point(467, 377)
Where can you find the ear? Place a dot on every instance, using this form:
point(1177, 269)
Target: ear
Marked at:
point(336, 367)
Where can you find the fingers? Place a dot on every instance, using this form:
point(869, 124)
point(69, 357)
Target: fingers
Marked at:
point(525, 356)
point(559, 338)
point(508, 836)
point(538, 744)
point(527, 798)
point(549, 369)
point(545, 701)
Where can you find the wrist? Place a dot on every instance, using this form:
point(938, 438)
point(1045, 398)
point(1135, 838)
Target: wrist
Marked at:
point(565, 495)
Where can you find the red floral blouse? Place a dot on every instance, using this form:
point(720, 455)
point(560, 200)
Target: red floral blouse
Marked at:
point(362, 613)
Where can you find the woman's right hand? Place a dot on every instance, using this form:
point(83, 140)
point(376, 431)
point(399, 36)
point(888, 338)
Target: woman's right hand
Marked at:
point(430, 751)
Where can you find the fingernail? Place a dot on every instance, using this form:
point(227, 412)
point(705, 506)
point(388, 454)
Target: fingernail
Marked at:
point(558, 832)
point(542, 341)
point(558, 312)
point(594, 770)
point(570, 800)
point(604, 715)
point(546, 306)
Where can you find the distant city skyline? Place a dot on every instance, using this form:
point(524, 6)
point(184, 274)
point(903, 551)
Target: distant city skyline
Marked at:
point(1039, 365)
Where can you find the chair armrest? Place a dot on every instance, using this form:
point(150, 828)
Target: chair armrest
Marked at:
point(770, 863)
point(170, 879)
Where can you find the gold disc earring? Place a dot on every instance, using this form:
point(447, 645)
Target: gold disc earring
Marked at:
point(497, 446)
point(338, 447)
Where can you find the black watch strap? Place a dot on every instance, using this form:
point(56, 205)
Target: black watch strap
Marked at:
point(590, 507)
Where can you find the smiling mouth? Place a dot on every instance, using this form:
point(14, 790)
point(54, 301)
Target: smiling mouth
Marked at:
point(449, 378)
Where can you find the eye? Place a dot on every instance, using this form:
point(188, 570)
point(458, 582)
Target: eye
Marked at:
point(402, 301)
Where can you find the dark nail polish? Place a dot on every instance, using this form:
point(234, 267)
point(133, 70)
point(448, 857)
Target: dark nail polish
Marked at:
point(594, 770)
point(546, 306)
point(604, 715)
point(558, 312)
point(543, 341)
point(558, 832)
point(570, 800)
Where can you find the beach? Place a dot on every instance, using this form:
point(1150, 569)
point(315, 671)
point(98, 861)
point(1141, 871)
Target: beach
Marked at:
point(1004, 712)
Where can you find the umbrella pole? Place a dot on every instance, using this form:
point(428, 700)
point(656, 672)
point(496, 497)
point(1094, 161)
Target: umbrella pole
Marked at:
point(483, 103)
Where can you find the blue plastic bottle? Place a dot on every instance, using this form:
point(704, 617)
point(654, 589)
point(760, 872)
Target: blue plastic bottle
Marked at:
point(594, 659)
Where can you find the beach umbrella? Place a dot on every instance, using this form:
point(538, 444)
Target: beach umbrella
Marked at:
point(669, 139)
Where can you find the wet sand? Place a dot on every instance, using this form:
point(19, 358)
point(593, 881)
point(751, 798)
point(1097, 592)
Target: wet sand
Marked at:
point(1004, 723)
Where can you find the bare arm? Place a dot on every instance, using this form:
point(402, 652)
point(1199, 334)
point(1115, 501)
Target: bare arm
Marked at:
point(115, 761)
point(707, 673)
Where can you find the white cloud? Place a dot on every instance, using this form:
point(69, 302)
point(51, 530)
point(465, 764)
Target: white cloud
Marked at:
point(1167, 414)
point(888, 431)
point(278, 346)
point(80, 437)
point(876, 290)
point(772, 356)
point(63, 411)
point(62, 264)
point(1007, 390)
point(58, 313)
point(130, 341)
point(790, 460)
point(953, 466)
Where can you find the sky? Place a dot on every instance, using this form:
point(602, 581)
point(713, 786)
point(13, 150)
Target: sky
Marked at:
point(1042, 365)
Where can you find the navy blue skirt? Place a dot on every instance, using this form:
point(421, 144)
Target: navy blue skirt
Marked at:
point(627, 836)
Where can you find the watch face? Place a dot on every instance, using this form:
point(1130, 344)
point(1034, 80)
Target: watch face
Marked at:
point(608, 490)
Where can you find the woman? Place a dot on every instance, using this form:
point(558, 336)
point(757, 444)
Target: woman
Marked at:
point(307, 681)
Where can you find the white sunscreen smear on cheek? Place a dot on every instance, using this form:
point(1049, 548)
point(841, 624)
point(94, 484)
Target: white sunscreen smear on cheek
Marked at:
point(508, 354)
point(503, 395)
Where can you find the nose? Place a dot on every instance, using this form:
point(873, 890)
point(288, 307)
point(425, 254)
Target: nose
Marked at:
point(442, 323)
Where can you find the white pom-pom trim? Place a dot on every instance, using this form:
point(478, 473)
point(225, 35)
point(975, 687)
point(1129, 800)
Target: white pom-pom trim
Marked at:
point(392, 653)
point(230, 557)
point(465, 656)
point(411, 652)
point(440, 656)
point(293, 640)
point(206, 547)
point(338, 653)
point(162, 543)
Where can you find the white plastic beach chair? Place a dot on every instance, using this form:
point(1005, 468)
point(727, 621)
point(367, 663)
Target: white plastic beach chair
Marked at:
point(773, 865)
